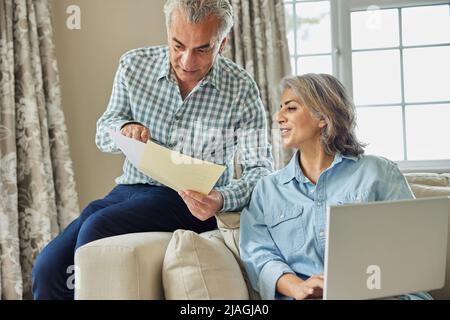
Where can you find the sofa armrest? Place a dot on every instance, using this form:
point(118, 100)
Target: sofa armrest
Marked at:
point(124, 267)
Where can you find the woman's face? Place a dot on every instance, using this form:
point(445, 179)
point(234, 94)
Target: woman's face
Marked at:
point(297, 124)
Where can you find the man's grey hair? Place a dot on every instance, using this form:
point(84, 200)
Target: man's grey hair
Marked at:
point(198, 10)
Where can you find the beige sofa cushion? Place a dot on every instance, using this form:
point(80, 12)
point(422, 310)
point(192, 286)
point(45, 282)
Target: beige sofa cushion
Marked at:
point(229, 224)
point(429, 179)
point(201, 267)
point(424, 191)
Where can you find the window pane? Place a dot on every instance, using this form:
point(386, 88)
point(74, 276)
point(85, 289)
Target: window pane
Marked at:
point(427, 74)
point(375, 29)
point(316, 64)
point(426, 25)
point(381, 129)
point(428, 132)
point(376, 77)
point(290, 27)
point(314, 29)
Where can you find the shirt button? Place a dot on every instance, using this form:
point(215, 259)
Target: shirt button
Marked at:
point(321, 233)
point(282, 216)
point(312, 191)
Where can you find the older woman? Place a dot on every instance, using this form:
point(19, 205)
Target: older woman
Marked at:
point(282, 239)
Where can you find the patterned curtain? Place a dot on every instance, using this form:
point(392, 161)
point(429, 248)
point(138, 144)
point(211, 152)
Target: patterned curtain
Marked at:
point(258, 42)
point(37, 187)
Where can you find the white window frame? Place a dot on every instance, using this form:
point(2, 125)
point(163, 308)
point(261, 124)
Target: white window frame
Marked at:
point(342, 58)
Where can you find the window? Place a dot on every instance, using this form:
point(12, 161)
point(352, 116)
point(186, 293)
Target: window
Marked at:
point(394, 60)
point(309, 36)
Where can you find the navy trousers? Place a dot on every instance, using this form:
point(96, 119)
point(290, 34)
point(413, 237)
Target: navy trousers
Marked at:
point(126, 209)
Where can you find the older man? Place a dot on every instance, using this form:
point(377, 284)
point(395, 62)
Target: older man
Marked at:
point(189, 98)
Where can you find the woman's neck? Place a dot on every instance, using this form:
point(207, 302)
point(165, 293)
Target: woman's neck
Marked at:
point(313, 161)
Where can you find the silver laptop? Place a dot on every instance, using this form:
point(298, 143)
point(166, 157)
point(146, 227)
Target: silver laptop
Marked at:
point(384, 249)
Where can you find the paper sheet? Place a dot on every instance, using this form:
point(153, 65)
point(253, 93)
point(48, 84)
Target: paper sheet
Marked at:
point(171, 168)
point(131, 148)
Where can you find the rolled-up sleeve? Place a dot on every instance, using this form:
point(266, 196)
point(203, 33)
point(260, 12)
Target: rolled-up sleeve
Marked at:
point(117, 113)
point(260, 256)
point(254, 152)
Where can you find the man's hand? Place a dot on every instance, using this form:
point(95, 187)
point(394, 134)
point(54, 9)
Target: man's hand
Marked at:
point(202, 207)
point(136, 131)
point(311, 288)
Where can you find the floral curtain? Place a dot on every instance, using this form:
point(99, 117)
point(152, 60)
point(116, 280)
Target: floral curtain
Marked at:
point(37, 187)
point(258, 42)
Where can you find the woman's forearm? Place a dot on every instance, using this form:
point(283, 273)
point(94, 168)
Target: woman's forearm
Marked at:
point(288, 284)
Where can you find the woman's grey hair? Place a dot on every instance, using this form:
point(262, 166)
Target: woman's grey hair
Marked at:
point(198, 10)
point(327, 99)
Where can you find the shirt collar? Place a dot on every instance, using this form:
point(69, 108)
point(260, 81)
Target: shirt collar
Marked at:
point(293, 170)
point(164, 70)
point(212, 77)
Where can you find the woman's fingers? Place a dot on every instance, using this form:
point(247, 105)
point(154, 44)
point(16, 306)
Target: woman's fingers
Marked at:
point(303, 292)
point(308, 290)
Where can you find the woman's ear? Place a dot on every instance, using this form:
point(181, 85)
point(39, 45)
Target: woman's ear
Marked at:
point(322, 123)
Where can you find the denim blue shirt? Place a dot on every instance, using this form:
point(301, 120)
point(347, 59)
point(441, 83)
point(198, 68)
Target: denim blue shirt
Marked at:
point(283, 228)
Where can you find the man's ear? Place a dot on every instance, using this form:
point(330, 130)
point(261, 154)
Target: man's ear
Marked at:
point(222, 44)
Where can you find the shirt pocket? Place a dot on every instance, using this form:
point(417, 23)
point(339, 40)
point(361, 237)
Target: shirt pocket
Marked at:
point(287, 229)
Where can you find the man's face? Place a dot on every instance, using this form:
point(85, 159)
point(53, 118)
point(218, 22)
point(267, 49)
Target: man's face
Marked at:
point(193, 47)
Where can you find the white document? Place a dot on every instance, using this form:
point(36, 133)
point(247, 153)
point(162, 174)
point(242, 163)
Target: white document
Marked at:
point(171, 168)
point(131, 148)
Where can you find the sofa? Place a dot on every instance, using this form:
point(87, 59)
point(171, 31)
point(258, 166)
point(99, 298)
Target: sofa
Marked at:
point(186, 265)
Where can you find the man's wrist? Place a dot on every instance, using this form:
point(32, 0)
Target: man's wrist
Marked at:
point(227, 196)
point(220, 199)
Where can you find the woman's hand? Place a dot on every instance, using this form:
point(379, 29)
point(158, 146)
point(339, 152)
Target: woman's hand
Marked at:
point(289, 284)
point(311, 288)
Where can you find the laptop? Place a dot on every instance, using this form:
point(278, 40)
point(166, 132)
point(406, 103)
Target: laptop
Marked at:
point(384, 249)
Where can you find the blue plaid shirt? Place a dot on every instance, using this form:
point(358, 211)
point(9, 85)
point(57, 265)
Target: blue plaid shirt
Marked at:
point(222, 116)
